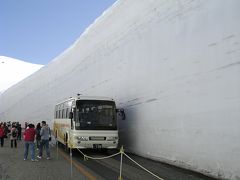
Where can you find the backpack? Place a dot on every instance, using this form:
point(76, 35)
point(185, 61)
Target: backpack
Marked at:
point(14, 133)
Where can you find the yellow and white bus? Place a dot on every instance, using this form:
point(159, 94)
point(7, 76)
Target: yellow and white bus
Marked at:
point(86, 122)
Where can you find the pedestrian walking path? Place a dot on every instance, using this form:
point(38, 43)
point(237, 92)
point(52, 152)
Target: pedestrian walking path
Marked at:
point(13, 167)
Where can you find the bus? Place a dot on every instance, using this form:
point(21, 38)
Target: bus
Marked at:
point(87, 122)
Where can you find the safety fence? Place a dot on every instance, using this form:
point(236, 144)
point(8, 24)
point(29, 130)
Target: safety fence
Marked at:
point(121, 153)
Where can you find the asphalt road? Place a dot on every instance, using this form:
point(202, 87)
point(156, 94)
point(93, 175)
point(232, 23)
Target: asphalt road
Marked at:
point(109, 168)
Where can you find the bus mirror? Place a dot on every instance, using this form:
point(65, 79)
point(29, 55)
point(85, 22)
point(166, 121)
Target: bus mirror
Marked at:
point(70, 115)
point(121, 113)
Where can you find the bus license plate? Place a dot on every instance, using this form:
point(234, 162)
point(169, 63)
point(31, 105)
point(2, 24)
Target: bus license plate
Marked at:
point(97, 146)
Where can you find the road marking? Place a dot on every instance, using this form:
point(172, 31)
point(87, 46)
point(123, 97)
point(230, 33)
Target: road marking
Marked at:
point(81, 169)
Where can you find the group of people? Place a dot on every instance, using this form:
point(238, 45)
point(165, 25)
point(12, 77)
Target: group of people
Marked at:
point(14, 131)
point(41, 135)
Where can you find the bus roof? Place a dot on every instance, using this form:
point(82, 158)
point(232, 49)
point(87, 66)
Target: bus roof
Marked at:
point(94, 98)
point(102, 98)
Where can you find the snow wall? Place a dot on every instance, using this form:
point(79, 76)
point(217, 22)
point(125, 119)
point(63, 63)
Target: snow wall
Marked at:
point(173, 65)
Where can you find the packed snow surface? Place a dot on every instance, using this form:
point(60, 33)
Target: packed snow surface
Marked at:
point(13, 71)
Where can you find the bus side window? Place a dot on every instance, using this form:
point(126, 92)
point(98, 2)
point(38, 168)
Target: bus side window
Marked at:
point(62, 113)
point(67, 116)
point(71, 117)
point(59, 114)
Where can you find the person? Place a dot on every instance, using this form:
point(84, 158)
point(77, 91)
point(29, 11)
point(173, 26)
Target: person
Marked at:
point(6, 130)
point(2, 134)
point(29, 137)
point(19, 128)
point(45, 134)
point(26, 125)
point(38, 136)
point(13, 136)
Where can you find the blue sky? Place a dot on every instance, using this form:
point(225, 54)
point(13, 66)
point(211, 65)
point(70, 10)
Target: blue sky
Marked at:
point(38, 31)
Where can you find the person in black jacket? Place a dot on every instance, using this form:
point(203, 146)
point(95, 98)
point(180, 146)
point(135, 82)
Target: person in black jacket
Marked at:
point(38, 136)
point(19, 128)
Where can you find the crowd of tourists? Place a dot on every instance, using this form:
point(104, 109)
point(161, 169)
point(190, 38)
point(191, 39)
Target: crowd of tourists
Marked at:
point(38, 136)
point(12, 131)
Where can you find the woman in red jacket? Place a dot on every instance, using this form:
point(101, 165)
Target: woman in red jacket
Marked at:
point(2, 134)
point(29, 137)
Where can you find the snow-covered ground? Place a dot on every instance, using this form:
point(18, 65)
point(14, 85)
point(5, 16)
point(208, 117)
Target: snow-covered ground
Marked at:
point(172, 65)
point(13, 71)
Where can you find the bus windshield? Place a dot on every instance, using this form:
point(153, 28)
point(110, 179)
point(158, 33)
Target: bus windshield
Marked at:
point(95, 115)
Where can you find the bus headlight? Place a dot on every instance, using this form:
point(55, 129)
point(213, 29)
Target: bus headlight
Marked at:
point(82, 138)
point(112, 138)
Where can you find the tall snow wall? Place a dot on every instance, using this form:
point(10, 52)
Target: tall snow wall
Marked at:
point(173, 65)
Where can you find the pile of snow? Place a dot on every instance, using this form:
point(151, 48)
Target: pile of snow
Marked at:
point(13, 71)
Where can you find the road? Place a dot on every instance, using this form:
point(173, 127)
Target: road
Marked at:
point(109, 169)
